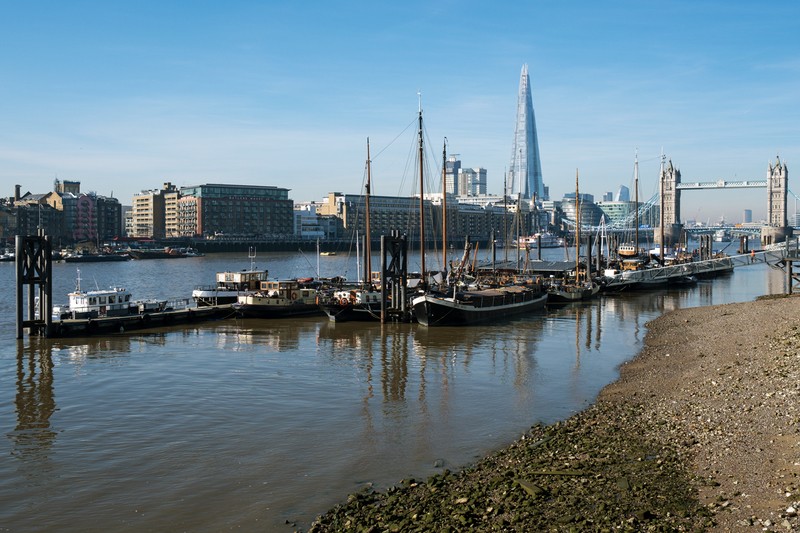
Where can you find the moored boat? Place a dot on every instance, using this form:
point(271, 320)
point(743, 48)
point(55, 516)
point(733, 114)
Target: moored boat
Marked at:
point(628, 251)
point(571, 291)
point(540, 240)
point(356, 304)
point(230, 285)
point(278, 299)
point(101, 303)
point(475, 306)
point(163, 253)
point(100, 257)
point(577, 286)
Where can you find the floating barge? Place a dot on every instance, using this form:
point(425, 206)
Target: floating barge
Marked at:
point(84, 327)
point(112, 310)
point(649, 276)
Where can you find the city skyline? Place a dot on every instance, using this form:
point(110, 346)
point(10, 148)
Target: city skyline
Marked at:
point(126, 97)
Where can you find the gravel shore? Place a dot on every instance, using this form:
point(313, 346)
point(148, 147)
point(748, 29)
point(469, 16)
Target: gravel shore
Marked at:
point(700, 433)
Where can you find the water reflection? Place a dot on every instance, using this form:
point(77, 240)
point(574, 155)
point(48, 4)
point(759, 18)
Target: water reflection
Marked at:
point(33, 437)
point(280, 335)
point(102, 349)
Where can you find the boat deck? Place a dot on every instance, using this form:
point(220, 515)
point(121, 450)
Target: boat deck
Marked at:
point(84, 327)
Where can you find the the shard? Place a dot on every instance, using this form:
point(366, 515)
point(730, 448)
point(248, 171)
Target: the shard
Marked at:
point(525, 174)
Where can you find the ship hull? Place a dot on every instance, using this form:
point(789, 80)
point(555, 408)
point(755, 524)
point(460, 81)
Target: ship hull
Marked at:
point(475, 307)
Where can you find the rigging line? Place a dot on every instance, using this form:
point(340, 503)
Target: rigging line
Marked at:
point(393, 140)
point(411, 159)
point(656, 158)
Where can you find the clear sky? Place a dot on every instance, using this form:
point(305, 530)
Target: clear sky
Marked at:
point(123, 96)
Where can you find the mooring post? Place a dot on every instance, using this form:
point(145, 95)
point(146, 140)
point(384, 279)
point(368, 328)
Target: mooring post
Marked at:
point(34, 269)
point(18, 261)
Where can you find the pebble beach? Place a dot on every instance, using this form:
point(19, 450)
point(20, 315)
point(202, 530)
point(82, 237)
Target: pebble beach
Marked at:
point(700, 433)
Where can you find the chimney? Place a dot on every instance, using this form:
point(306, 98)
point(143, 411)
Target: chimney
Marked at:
point(16, 192)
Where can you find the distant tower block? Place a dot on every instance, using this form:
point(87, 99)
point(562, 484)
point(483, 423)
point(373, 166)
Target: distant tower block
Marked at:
point(777, 228)
point(525, 174)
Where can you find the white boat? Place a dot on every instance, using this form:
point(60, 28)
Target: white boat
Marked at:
point(628, 251)
point(541, 240)
point(722, 235)
point(230, 285)
point(101, 303)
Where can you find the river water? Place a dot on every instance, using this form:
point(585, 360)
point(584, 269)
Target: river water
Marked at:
point(265, 424)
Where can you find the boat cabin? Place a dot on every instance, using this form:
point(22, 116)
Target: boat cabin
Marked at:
point(246, 280)
point(115, 301)
point(632, 264)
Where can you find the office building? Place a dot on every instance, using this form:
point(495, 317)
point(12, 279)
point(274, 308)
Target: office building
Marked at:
point(471, 181)
point(452, 168)
point(235, 211)
point(525, 172)
point(149, 212)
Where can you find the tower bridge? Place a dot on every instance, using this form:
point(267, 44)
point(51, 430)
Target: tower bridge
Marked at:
point(775, 231)
point(722, 184)
point(777, 228)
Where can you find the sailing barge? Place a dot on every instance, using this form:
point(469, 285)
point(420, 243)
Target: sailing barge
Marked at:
point(475, 306)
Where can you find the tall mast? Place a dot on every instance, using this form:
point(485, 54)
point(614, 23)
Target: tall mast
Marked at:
point(661, 179)
point(577, 230)
point(421, 196)
point(505, 218)
point(636, 198)
point(368, 244)
point(518, 219)
point(444, 205)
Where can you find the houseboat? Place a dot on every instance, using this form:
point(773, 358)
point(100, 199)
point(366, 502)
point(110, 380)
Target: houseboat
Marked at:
point(279, 299)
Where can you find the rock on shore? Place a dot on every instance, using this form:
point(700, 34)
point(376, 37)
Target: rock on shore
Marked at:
point(699, 434)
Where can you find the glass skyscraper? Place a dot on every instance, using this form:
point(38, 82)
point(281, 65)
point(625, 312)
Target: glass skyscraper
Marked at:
point(525, 174)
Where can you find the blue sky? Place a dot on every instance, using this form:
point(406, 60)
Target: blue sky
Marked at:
point(123, 96)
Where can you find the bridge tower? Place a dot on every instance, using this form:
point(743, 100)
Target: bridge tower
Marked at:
point(670, 204)
point(777, 228)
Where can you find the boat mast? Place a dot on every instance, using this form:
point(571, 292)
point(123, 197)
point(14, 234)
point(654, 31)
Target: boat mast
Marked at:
point(505, 219)
point(518, 220)
point(421, 197)
point(444, 205)
point(636, 199)
point(368, 244)
point(577, 230)
point(661, 179)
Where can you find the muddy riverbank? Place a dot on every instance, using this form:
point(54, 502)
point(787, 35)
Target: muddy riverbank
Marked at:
point(700, 433)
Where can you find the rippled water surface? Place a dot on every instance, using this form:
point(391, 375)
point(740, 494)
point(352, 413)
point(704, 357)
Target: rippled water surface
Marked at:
point(249, 424)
